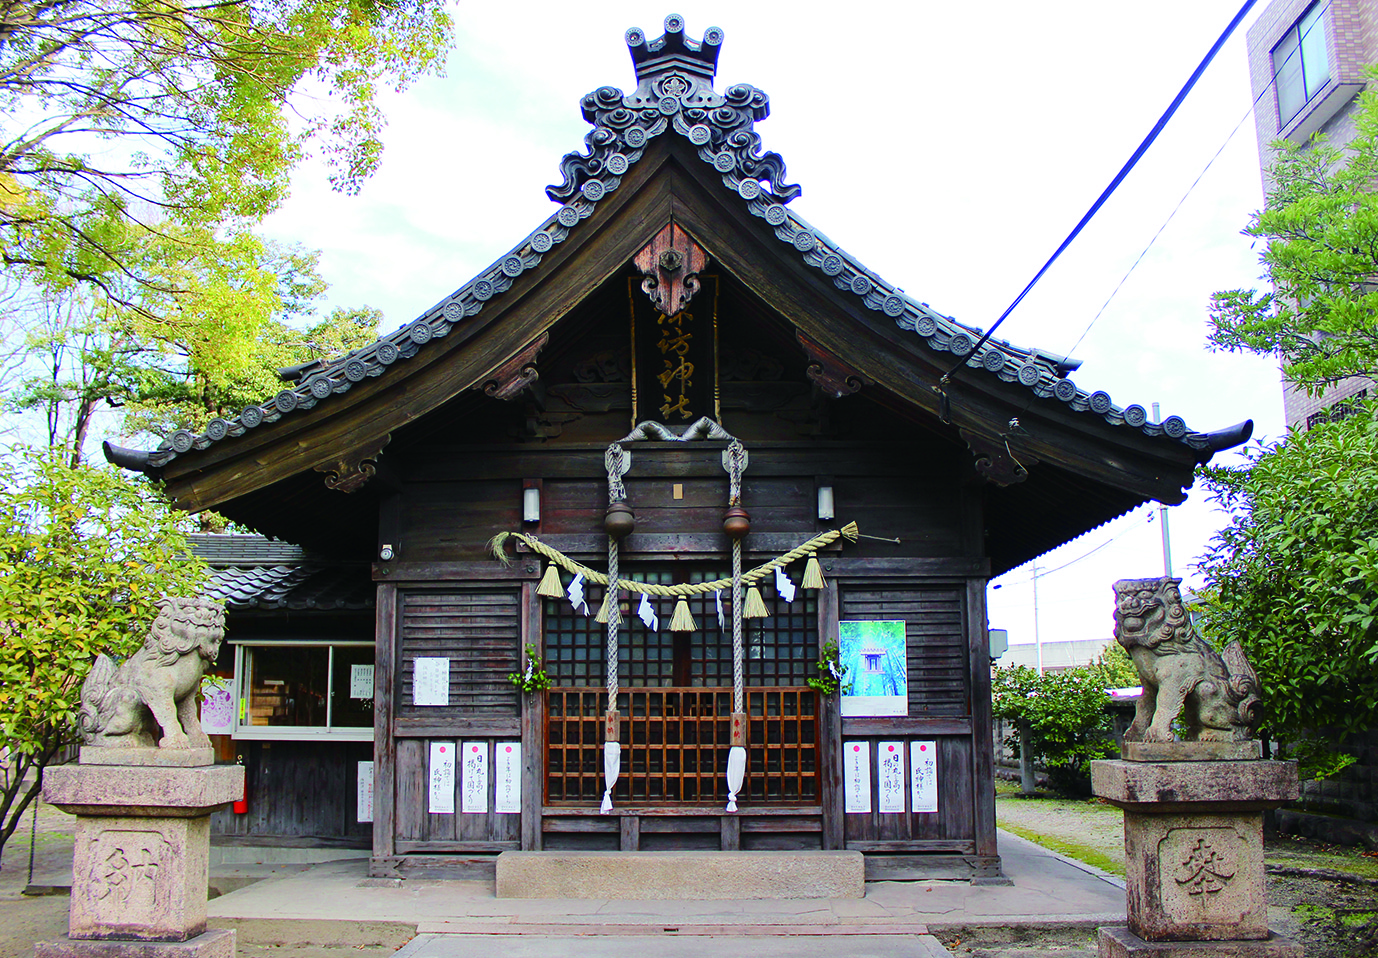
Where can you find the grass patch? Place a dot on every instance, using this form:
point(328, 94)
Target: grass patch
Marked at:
point(1082, 853)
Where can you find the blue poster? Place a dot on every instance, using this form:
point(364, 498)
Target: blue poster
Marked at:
point(875, 677)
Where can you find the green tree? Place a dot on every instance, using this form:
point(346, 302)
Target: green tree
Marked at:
point(84, 554)
point(1294, 575)
point(123, 118)
point(1067, 719)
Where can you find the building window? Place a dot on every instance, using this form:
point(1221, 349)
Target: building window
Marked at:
point(301, 690)
point(1301, 66)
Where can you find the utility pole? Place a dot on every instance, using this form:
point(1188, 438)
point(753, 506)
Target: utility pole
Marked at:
point(1162, 521)
point(1038, 642)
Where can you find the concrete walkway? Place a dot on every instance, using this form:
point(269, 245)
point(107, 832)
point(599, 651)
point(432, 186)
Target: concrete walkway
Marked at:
point(455, 918)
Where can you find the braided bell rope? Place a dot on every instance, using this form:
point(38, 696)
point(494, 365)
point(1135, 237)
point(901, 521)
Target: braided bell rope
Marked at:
point(497, 544)
point(736, 457)
point(614, 614)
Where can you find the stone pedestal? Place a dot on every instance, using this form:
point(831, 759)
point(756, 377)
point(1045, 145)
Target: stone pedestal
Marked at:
point(1193, 838)
point(141, 862)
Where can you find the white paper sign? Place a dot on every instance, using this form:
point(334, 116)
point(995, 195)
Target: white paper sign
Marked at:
point(890, 755)
point(856, 775)
point(923, 764)
point(430, 683)
point(217, 708)
point(783, 584)
point(361, 682)
point(507, 797)
point(365, 789)
point(442, 779)
point(474, 790)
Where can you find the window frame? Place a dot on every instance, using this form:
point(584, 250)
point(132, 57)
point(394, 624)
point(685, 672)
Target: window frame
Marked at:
point(243, 652)
point(1296, 37)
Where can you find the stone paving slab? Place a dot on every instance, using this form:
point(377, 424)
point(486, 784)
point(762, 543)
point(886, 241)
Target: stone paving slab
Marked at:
point(667, 946)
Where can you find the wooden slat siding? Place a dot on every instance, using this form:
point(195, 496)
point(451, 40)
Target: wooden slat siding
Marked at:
point(954, 820)
point(935, 637)
point(445, 521)
point(413, 759)
point(301, 790)
point(983, 750)
point(420, 848)
point(479, 631)
point(384, 746)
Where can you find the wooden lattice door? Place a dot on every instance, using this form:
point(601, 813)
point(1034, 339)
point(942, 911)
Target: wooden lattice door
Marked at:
point(675, 700)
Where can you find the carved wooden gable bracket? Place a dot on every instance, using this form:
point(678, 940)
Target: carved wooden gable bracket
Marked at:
point(351, 471)
point(671, 263)
point(996, 458)
point(829, 373)
point(518, 373)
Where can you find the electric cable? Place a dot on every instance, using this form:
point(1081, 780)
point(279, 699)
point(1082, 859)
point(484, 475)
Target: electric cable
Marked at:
point(1114, 184)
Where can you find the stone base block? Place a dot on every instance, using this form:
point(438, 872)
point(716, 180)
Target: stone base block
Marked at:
point(1196, 877)
point(137, 755)
point(697, 876)
point(216, 943)
point(1251, 750)
point(1195, 786)
point(1123, 943)
point(145, 790)
point(139, 878)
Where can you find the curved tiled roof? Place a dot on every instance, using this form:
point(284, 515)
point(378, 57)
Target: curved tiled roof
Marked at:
point(675, 97)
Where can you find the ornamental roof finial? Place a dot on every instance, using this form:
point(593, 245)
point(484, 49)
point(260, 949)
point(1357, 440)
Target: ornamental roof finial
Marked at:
point(674, 50)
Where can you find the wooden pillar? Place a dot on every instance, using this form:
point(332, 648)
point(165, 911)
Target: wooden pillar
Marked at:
point(982, 744)
point(532, 727)
point(384, 745)
point(830, 733)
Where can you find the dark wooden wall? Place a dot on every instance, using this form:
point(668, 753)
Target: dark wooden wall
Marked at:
point(300, 793)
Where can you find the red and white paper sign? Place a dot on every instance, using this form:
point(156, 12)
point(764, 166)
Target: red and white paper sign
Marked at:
point(442, 779)
point(507, 792)
point(474, 791)
point(364, 787)
point(890, 757)
point(923, 763)
point(856, 776)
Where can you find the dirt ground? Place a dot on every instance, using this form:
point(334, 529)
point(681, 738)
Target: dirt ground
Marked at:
point(25, 919)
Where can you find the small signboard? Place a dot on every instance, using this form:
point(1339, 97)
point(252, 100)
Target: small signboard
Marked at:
point(507, 793)
point(217, 705)
point(923, 763)
point(361, 682)
point(856, 775)
point(364, 785)
point(890, 758)
point(442, 779)
point(474, 791)
point(430, 681)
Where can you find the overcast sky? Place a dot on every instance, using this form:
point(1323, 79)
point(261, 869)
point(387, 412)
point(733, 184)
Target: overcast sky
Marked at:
point(950, 147)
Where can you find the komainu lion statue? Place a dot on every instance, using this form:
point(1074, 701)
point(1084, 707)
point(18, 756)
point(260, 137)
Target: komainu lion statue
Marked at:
point(1216, 695)
point(156, 686)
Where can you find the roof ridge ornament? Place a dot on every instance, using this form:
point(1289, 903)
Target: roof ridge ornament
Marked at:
point(675, 91)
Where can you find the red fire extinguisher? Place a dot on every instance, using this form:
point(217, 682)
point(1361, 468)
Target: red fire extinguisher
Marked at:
point(241, 807)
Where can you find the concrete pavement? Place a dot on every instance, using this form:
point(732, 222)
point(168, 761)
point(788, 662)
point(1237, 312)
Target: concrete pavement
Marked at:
point(456, 918)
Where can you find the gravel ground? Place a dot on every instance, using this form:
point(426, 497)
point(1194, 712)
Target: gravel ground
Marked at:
point(1332, 918)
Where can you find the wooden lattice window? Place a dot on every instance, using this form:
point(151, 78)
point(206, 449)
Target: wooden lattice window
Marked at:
point(779, 650)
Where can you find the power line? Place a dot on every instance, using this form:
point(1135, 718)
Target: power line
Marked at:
point(1114, 183)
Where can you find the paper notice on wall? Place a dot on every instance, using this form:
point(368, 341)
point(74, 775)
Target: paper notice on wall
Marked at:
point(890, 756)
point(365, 789)
point(856, 776)
point(217, 706)
point(474, 784)
point(442, 779)
point(430, 681)
point(361, 682)
point(923, 765)
point(507, 790)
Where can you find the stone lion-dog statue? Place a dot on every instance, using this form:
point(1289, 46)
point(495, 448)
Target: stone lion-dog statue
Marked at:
point(156, 687)
point(1215, 694)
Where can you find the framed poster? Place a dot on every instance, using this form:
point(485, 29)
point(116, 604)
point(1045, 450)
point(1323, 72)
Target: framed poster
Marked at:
point(217, 705)
point(875, 672)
